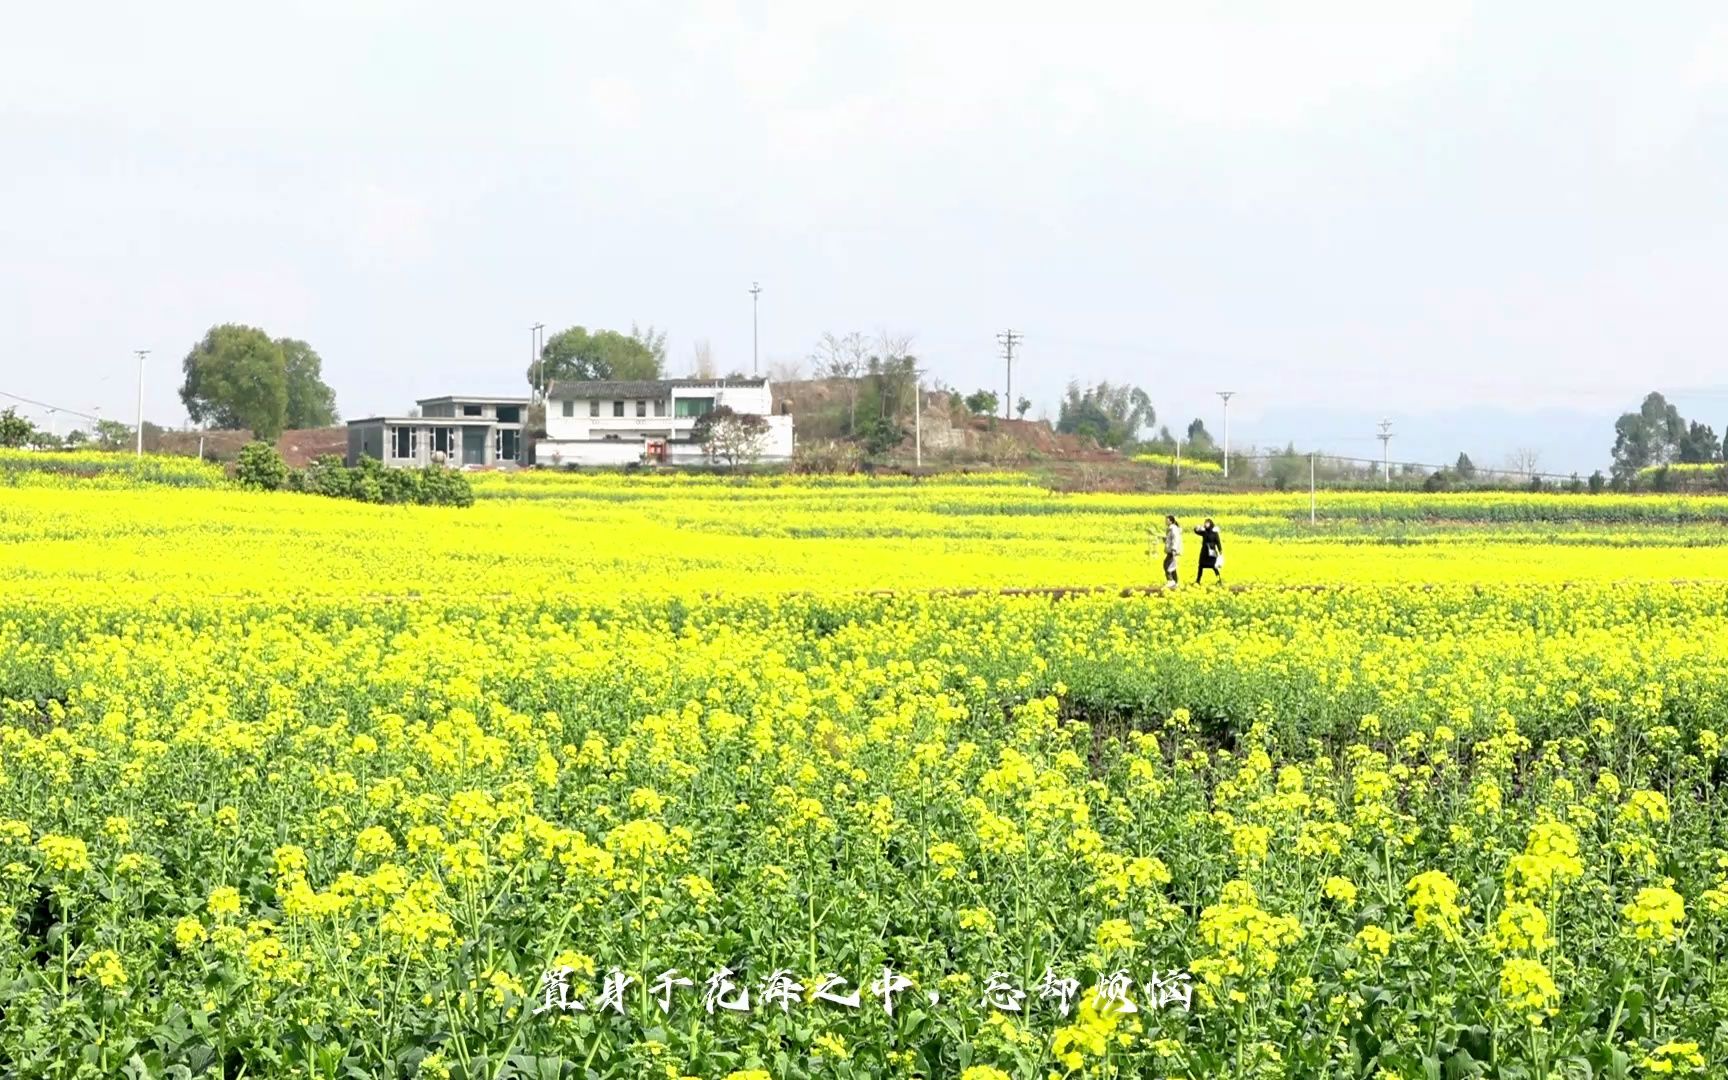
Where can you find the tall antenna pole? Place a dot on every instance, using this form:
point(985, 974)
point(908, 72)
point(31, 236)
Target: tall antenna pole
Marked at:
point(538, 360)
point(1385, 437)
point(755, 295)
point(1310, 487)
point(1009, 339)
point(142, 353)
point(1226, 395)
point(918, 421)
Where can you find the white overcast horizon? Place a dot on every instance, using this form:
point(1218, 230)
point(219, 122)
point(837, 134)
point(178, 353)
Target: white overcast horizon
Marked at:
point(1331, 209)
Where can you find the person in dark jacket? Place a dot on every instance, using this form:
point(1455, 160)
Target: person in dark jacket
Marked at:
point(1211, 551)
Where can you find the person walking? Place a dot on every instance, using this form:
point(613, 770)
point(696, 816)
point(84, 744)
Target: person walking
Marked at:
point(1172, 549)
point(1211, 551)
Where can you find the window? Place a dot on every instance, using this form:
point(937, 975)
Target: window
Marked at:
point(569, 407)
point(641, 408)
point(617, 408)
point(693, 406)
point(594, 407)
point(508, 414)
point(471, 410)
point(659, 406)
point(504, 442)
point(406, 443)
point(441, 440)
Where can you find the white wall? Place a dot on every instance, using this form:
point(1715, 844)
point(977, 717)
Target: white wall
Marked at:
point(580, 424)
point(740, 399)
point(779, 443)
point(556, 454)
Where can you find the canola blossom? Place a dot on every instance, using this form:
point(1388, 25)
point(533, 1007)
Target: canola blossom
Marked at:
point(292, 787)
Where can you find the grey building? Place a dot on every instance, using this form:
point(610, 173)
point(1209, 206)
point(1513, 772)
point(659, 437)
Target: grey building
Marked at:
point(460, 431)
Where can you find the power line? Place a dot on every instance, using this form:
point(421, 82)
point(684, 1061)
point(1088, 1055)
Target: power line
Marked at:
point(55, 408)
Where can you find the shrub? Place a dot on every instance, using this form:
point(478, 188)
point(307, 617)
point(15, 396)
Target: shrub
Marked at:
point(734, 437)
point(328, 476)
point(826, 457)
point(371, 482)
point(445, 487)
point(401, 485)
point(882, 435)
point(260, 467)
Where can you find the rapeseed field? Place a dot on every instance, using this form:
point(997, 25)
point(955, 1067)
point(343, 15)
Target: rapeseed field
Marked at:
point(680, 776)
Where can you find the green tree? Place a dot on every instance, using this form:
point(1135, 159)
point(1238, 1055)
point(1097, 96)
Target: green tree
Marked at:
point(237, 378)
point(1162, 443)
point(654, 341)
point(113, 435)
point(1022, 407)
point(1200, 442)
point(882, 435)
point(1288, 469)
point(982, 403)
point(1698, 445)
point(581, 355)
point(1465, 468)
point(15, 430)
point(1650, 436)
point(844, 358)
point(311, 403)
point(892, 374)
point(1114, 415)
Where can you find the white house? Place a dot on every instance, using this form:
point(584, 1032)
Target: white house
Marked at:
point(621, 422)
point(460, 431)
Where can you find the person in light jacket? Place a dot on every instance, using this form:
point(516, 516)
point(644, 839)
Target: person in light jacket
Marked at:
point(1172, 549)
point(1211, 551)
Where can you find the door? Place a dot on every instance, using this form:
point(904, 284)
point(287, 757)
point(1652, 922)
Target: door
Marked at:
point(473, 446)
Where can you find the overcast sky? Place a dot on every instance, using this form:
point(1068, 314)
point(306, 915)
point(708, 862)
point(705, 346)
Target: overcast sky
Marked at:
point(1370, 206)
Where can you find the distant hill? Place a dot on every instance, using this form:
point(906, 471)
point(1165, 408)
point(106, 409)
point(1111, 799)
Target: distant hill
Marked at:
point(819, 409)
point(299, 447)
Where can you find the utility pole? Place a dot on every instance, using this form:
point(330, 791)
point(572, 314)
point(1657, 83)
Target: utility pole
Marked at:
point(1226, 395)
point(1385, 437)
point(1310, 487)
point(1178, 459)
point(1009, 339)
point(755, 301)
point(537, 361)
point(142, 353)
point(918, 421)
